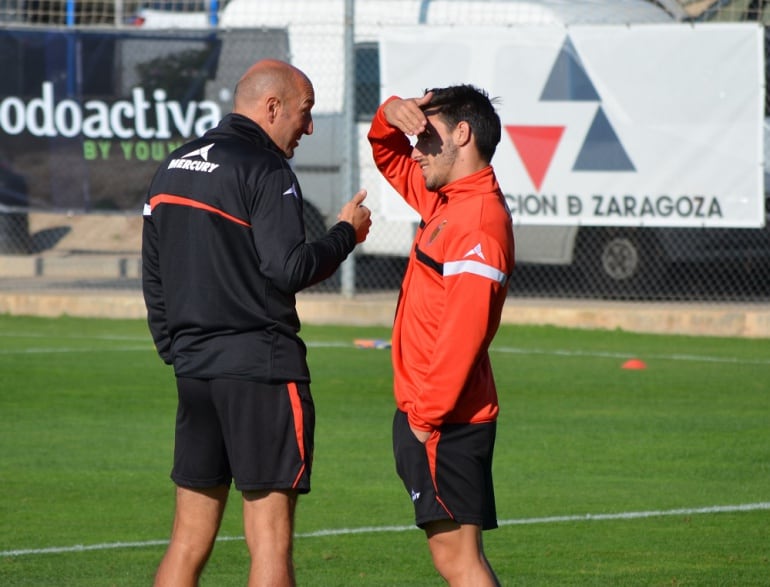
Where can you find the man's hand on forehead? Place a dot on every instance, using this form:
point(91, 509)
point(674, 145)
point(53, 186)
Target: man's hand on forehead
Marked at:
point(407, 115)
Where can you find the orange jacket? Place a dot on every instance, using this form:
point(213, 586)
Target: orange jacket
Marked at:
point(453, 291)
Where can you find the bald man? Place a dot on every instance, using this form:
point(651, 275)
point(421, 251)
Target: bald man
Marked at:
point(224, 253)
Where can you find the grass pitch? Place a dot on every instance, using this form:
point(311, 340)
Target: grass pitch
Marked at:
point(604, 476)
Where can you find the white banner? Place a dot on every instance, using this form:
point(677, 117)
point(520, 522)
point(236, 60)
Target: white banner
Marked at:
point(651, 125)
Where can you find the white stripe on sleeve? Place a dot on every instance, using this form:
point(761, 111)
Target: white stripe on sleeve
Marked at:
point(476, 268)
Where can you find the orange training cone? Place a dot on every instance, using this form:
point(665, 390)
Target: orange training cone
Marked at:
point(634, 364)
point(371, 343)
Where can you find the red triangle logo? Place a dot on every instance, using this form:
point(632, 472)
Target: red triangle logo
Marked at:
point(536, 146)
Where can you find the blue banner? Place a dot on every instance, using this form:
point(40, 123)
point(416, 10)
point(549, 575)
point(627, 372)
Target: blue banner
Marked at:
point(85, 117)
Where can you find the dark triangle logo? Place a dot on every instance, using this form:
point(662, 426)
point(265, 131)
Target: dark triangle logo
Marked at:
point(602, 150)
point(568, 80)
point(536, 146)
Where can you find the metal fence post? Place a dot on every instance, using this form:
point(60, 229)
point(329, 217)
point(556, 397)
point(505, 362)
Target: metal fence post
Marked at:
point(70, 13)
point(213, 13)
point(349, 141)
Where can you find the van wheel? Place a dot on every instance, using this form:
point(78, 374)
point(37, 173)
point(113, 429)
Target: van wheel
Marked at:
point(616, 260)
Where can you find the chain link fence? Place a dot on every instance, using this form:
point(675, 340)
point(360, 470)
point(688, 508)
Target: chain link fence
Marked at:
point(71, 186)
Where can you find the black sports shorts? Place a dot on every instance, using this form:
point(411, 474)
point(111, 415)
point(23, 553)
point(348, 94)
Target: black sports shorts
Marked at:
point(450, 476)
point(258, 434)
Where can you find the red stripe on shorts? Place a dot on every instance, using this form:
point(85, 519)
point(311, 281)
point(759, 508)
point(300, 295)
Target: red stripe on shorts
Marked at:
point(299, 430)
point(431, 448)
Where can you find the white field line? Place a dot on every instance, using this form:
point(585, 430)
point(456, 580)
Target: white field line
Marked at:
point(74, 336)
point(626, 355)
point(62, 350)
point(577, 353)
point(718, 509)
point(146, 344)
point(344, 344)
point(347, 344)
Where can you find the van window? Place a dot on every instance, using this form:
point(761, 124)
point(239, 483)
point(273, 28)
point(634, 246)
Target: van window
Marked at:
point(367, 81)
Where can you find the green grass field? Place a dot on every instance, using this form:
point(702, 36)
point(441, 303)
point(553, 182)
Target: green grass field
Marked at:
point(604, 476)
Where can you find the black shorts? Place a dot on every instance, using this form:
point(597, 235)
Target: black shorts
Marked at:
point(450, 476)
point(258, 434)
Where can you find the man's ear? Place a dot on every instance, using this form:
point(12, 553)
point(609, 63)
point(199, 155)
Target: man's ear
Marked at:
point(273, 105)
point(462, 133)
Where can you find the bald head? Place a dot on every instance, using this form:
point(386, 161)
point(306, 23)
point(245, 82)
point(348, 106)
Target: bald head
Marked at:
point(278, 97)
point(266, 78)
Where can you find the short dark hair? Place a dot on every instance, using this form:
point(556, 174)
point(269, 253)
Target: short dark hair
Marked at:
point(473, 105)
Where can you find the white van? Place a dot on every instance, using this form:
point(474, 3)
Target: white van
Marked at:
point(317, 44)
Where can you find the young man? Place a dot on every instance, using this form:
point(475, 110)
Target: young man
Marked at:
point(448, 312)
point(224, 253)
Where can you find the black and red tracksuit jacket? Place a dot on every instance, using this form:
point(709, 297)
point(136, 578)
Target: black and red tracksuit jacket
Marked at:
point(224, 253)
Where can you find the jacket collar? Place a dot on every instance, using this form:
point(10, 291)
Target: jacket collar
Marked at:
point(247, 129)
point(482, 182)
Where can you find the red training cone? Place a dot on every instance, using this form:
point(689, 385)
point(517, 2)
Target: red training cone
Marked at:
point(634, 364)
